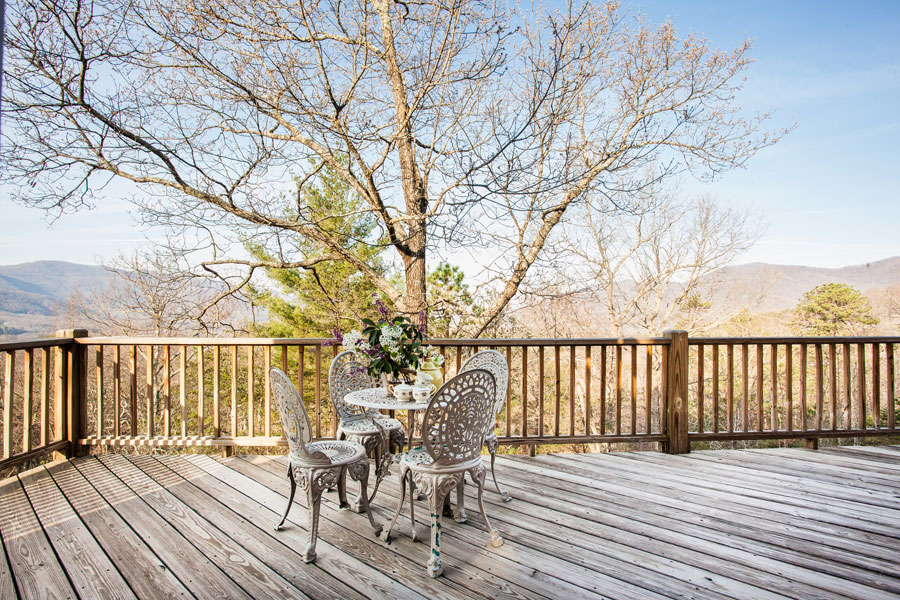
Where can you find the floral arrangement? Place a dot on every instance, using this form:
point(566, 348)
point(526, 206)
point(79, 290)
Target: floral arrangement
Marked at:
point(388, 345)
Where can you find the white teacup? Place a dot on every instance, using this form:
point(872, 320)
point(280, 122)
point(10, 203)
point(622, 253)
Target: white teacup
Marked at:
point(422, 392)
point(403, 392)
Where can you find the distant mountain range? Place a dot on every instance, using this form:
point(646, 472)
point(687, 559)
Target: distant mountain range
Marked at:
point(784, 285)
point(33, 295)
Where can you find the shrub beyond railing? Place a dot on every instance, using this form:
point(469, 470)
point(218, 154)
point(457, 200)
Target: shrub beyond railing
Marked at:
point(70, 393)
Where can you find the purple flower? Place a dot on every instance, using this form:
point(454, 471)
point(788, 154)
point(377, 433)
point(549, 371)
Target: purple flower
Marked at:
point(423, 323)
point(337, 340)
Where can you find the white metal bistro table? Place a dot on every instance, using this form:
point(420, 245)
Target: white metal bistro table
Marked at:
point(379, 399)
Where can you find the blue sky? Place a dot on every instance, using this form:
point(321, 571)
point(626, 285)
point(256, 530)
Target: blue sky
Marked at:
point(830, 190)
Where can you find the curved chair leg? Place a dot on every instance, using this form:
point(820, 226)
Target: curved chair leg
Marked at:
point(290, 499)
point(412, 509)
point(342, 489)
point(460, 514)
point(314, 499)
point(477, 475)
point(492, 448)
point(359, 471)
point(386, 535)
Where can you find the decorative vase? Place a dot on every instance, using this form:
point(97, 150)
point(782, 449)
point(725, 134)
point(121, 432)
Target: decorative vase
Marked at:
point(437, 377)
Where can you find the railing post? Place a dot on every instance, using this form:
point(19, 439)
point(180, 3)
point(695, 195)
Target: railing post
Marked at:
point(677, 394)
point(74, 366)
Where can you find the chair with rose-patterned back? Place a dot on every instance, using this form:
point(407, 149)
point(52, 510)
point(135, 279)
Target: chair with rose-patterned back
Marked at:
point(315, 466)
point(453, 433)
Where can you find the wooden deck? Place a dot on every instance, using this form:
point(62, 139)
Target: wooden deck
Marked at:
point(715, 524)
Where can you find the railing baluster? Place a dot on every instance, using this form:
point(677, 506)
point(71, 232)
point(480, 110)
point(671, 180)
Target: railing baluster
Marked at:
point(773, 375)
point(27, 390)
point(618, 390)
point(832, 355)
point(876, 386)
point(847, 385)
point(633, 415)
point(9, 396)
point(571, 390)
point(167, 391)
point(251, 389)
point(524, 388)
point(98, 353)
point(820, 384)
point(556, 391)
point(803, 406)
point(729, 386)
point(267, 398)
point(588, 417)
point(602, 389)
point(132, 399)
point(745, 389)
point(760, 376)
point(701, 415)
point(889, 351)
point(234, 388)
point(789, 385)
point(151, 389)
point(508, 388)
point(541, 391)
point(182, 392)
point(217, 357)
point(861, 385)
point(201, 388)
point(45, 396)
point(319, 391)
point(117, 390)
point(648, 390)
point(715, 387)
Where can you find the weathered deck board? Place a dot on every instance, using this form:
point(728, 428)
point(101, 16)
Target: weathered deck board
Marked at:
point(147, 575)
point(34, 566)
point(91, 572)
point(717, 524)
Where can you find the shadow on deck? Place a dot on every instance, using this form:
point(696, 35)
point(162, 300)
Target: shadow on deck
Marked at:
point(735, 523)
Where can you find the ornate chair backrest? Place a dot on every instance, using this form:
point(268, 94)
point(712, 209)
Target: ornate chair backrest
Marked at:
point(495, 362)
point(294, 419)
point(458, 417)
point(347, 375)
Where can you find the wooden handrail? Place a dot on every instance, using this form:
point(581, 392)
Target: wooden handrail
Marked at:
point(72, 392)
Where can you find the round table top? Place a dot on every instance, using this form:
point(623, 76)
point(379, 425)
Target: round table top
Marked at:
point(378, 398)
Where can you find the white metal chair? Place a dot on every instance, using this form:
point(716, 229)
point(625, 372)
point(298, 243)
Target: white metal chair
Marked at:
point(453, 433)
point(347, 375)
point(315, 466)
point(494, 362)
point(356, 424)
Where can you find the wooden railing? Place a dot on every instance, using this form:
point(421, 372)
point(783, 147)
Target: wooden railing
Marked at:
point(776, 388)
point(74, 392)
point(39, 399)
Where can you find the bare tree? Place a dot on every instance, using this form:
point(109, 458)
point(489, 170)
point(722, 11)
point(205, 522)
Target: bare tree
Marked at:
point(147, 296)
point(453, 125)
point(656, 267)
